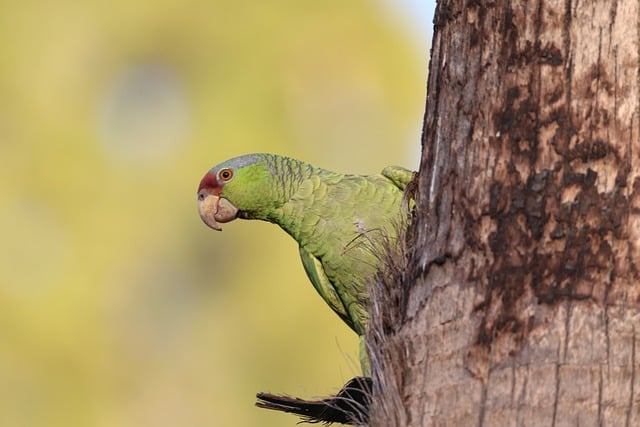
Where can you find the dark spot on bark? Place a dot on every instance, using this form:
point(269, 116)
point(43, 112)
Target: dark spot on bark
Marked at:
point(590, 179)
point(557, 232)
point(572, 178)
point(444, 15)
point(496, 202)
point(508, 28)
point(555, 95)
point(518, 124)
point(590, 150)
point(476, 33)
point(440, 260)
point(512, 94)
point(475, 37)
point(483, 337)
point(535, 52)
point(547, 295)
point(535, 203)
point(599, 79)
point(551, 55)
point(480, 306)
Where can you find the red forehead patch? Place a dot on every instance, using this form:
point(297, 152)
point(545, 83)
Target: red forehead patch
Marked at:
point(209, 182)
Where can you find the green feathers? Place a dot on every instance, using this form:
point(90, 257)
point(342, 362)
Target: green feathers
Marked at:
point(338, 220)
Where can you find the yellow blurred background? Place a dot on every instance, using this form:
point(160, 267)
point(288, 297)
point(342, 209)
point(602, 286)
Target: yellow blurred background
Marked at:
point(118, 307)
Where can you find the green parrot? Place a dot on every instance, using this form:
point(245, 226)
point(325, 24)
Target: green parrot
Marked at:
point(337, 219)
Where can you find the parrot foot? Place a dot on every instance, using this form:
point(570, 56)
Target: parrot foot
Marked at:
point(349, 406)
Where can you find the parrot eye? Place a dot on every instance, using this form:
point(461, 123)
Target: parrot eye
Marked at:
point(225, 174)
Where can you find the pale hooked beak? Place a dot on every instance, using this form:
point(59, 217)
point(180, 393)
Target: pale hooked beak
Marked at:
point(213, 209)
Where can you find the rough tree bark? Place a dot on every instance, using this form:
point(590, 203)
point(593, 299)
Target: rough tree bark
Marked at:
point(518, 299)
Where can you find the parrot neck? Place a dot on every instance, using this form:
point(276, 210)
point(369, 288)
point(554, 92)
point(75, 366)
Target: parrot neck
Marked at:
point(293, 187)
point(279, 202)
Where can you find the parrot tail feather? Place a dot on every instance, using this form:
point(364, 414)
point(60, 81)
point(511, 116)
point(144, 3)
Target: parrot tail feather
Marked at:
point(349, 406)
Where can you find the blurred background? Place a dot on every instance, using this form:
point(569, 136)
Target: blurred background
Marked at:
point(118, 307)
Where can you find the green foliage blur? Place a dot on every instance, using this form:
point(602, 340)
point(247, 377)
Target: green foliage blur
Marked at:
point(118, 307)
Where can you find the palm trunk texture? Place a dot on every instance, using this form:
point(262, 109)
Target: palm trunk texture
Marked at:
point(516, 301)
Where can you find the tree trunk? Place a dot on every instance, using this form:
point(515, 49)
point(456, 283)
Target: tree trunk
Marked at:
point(517, 301)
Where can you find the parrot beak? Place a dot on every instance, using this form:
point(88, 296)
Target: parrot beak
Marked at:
point(213, 209)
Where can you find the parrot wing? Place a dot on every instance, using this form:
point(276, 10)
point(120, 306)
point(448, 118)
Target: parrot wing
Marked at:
point(403, 179)
point(315, 272)
point(399, 176)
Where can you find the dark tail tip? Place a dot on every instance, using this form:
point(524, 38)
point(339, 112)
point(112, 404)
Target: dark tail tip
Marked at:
point(349, 406)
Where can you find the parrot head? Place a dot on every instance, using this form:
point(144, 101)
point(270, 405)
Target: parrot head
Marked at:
point(237, 187)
